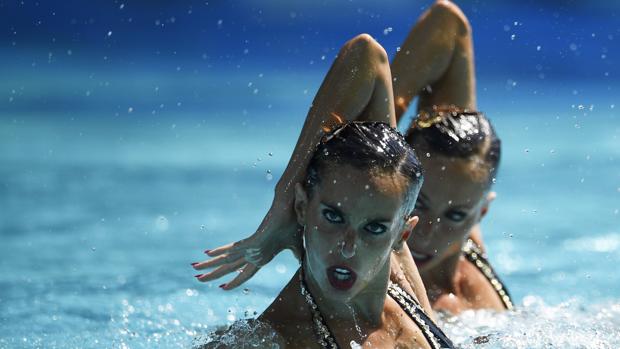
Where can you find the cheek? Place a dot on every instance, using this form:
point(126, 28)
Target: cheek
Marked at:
point(374, 255)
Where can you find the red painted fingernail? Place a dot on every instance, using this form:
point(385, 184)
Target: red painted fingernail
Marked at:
point(222, 285)
point(207, 251)
point(199, 275)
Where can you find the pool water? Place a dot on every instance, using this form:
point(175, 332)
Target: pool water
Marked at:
point(102, 214)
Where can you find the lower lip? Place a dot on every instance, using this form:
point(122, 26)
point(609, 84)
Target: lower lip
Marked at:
point(422, 259)
point(340, 284)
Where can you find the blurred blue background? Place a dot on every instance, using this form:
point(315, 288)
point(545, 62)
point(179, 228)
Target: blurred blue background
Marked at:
point(135, 134)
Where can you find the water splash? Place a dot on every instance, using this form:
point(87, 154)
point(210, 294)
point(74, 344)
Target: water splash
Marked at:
point(536, 325)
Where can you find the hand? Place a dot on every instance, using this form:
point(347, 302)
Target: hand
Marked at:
point(278, 231)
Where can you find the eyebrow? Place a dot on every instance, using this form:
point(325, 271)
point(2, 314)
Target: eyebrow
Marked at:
point(424, 198)
point(378, 220)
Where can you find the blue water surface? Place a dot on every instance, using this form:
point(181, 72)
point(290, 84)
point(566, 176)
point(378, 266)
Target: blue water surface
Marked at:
point(102, 211)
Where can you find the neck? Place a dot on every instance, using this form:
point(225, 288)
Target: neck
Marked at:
point(364, 309)
point(439, 278)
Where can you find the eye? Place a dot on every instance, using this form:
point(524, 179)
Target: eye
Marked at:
point(332, 216)
point(456, 215)
point(375, 228)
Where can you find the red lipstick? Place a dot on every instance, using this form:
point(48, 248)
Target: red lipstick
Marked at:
point(341, 277)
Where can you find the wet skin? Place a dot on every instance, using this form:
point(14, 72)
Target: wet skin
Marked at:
point(451, 203)
point(353, 219)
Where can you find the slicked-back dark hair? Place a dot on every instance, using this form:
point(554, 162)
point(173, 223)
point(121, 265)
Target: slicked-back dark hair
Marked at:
point(460, 134)
point(367, 146)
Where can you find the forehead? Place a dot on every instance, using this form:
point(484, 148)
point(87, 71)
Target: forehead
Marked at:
point(450, 180)
point(364, 192)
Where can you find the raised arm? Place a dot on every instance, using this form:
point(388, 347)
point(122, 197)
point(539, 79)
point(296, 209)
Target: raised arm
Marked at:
point(436, 61)
point(357, 87)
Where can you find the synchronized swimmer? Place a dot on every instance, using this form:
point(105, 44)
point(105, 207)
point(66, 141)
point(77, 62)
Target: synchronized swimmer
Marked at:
point(348, 199)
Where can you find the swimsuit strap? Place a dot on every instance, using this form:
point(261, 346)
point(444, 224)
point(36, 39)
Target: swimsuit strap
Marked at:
point(325, 336)
point(433, 334)
point(474, 254)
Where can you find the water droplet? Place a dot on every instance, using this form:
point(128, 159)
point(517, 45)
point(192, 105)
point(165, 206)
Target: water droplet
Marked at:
point(270, 154)
point(110, 33)
point(93, 249)
point(246, 291)
point(513, 36)
point(368, 187)
point(527, 150)
point(162, 223)
point(428, 155)
point(281, 268)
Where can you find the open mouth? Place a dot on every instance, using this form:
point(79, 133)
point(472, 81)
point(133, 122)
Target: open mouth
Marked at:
point(341, 277)
point(421, 258)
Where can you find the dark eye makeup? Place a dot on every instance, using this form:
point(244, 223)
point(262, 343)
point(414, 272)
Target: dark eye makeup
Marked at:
point(332, 216)
point(456, 215)
point(375, 228)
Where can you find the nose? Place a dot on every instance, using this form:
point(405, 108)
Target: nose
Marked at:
point(424, 233)
point(348, 244)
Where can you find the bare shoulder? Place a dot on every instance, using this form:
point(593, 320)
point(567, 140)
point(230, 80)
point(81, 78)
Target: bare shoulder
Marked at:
point(475, 288)
point(450, 303)
point(398, 330)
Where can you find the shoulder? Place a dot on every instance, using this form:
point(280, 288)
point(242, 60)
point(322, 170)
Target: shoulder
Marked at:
point(449, 302)
point(475, 288)
point(397, 330)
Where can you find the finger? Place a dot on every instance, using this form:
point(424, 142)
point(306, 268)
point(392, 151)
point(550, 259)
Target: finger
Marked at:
point(221, 271)
point(229, 248)
point(245, 275)
point(217, 261)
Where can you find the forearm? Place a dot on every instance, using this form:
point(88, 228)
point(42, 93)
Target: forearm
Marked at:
point(438, 50)
point(357, 87)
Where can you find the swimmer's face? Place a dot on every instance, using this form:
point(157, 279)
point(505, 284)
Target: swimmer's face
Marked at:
point(352, 221)
point(450, 203)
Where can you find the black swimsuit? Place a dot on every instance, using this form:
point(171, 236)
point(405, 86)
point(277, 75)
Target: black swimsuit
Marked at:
point(474, 254)
point(433, 334)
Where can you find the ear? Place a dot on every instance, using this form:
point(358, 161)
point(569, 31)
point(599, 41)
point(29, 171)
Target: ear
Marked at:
point(487, 202)
point(407, 229)
point(301, 204)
